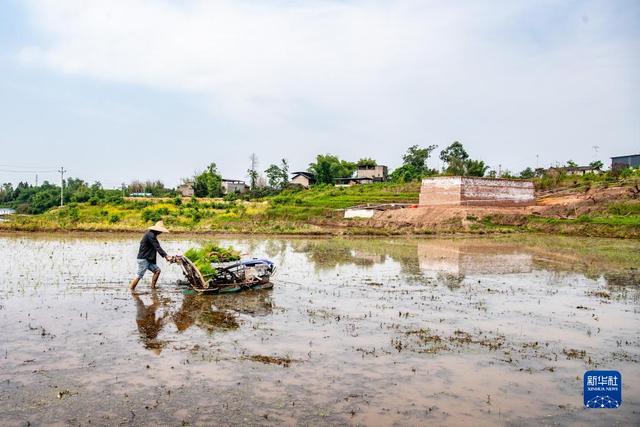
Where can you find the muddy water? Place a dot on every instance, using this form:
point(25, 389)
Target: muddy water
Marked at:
point(362, 332)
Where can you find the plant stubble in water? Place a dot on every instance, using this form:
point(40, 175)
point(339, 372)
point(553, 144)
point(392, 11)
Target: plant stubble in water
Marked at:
point(362, 331)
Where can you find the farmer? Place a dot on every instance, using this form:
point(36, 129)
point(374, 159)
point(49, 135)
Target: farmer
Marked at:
point(149, 247)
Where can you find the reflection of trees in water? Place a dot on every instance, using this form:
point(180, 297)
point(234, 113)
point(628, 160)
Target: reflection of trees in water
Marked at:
point(150, 325)
point(624, 284)
point(275, 247)
point(451, 281)
point(332, 253)
point(629, 278)
point(219, 312)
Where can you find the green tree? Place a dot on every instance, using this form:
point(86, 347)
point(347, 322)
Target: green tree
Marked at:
point(414, 164)
point(528, 173)
point(597, 165)
point(454, 156)
point(417, 157)
point(457, 161)
point(328, 167)
point(366, 162)
point(571, 164)
point(6, 192)
point(208, 183)
point(474, 167)
point(278, 176)
point(47, 197)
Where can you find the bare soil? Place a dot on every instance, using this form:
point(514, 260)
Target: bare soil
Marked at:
point(565, 204)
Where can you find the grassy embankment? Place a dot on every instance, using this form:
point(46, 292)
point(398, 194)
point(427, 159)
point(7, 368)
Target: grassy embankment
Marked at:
point(606, 223)
point(596, 215)
point(318, 211)
point(314, 211)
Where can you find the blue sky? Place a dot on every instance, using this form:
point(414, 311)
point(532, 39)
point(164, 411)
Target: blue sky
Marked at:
point(140, 89)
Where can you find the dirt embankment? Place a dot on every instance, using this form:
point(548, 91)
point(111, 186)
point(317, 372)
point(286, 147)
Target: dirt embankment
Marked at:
point(558, 205)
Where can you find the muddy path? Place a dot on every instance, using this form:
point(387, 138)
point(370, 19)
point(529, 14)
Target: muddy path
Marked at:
point(354, 332)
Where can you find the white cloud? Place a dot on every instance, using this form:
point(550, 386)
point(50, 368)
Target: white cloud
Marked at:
point(375, 72)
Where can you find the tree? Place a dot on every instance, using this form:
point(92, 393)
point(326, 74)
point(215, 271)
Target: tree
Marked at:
point(414, 164)
point(417, 157)
point(528, 173)
point(474, 167)
point(572, 164)
point(278, 176)
point(458, 162)
point(328, 167)
point(454, 156)
point(366, 162)
point(208, 183)
point(253, 170)
point(597, 165)
point(454, 151)
point(6, 192)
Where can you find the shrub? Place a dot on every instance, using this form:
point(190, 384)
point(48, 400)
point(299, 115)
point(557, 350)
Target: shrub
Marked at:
point(624, 208)
point(154, 215)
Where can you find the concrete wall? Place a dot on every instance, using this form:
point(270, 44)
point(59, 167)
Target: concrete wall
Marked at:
point(475, 191)
point(301, 180)
point(379, 171)
point(438, 191)
point(233, 187)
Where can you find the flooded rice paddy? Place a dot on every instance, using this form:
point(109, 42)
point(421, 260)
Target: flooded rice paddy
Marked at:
point(375, 331)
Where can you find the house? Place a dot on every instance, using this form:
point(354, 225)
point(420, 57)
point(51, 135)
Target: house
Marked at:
point(573, 170)
point(304, 179)
point(234, 186)
point(580, 170)
point(348, 182)
point(622, 162)
point(186, 189)
point(377, 173)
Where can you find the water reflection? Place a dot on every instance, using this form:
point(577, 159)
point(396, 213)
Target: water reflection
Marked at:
point(462, 257)
point(211, 313)
point(149, 323)
point(199, 310)
point(329, 254)
point(373, 333)
point(448, 259)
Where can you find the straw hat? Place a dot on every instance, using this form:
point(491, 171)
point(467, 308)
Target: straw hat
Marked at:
point(158, 226)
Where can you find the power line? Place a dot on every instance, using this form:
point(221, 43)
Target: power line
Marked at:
point(23, 166)
point(27, 171)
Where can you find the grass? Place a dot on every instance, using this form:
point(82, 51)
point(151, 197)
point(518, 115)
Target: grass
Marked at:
point(326, 196)
point(292, 211)
point(316, 211)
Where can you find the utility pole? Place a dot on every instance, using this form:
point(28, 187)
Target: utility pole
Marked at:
point(62, 171)
point(537, 160)
point(596, 148)
point(36, 180)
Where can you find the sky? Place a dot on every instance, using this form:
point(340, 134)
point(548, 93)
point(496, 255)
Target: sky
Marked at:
point(157, 89)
